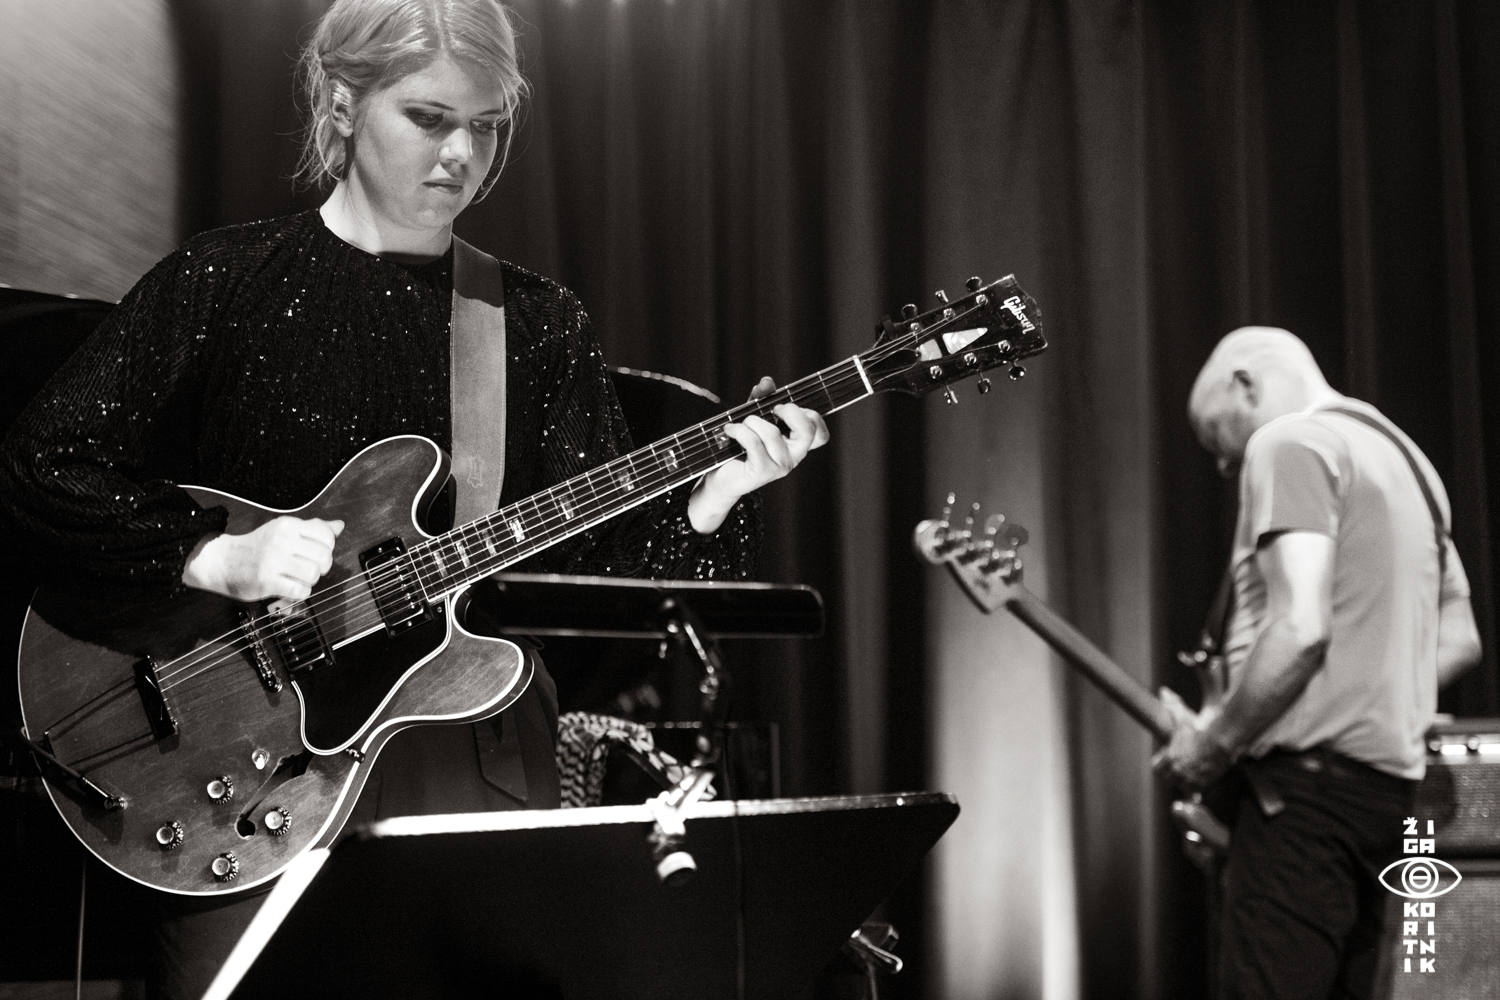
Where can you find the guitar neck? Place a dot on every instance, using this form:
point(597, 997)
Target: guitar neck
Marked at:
point(474, 550)
point(1091, 661)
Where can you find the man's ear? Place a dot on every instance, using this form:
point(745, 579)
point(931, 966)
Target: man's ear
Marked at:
point(342, 109)
point(1246, 383)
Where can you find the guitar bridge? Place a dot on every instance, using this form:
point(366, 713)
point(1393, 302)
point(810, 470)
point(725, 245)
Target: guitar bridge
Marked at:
point(393, 581)
point(260, 657)
point(163, 726)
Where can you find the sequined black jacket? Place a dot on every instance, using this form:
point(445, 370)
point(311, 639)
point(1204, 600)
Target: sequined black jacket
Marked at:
point(257, 360)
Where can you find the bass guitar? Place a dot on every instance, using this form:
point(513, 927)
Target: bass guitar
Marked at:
point(988, 568)
point(200, 744)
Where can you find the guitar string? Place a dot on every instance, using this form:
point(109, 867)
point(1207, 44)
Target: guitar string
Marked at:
point(622, 483)
point(599, 501)
point(392, 571)
point(624, 465)
point(539, 537)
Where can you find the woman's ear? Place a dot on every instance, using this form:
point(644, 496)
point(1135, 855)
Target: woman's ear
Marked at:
point(342, 110)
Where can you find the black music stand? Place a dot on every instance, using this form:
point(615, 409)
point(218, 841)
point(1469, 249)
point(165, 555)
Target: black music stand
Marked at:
point(611, 607)
point(566, 903)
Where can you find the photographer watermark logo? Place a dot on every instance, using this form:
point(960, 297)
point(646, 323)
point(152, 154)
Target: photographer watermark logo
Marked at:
point(1422, 879)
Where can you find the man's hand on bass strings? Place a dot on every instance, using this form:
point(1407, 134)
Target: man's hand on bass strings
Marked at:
point(1192, 758)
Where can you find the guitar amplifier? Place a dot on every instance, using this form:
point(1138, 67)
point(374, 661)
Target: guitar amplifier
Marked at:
point(1444, 945)
point(1461, 792)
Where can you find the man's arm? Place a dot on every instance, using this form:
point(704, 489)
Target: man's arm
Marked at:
point(1298, 569)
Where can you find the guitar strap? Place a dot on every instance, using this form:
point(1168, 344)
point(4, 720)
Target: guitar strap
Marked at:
point(1432, 505)
point(477, 382)
point(1216, 629)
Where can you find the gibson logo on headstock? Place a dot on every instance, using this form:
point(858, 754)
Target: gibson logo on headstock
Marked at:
point(1014, 305)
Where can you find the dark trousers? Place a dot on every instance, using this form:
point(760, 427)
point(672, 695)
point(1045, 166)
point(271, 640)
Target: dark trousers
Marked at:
point(1303, 904)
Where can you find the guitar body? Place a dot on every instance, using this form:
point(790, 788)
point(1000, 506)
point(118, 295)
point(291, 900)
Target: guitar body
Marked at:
point(181, 737)
point(303, 751)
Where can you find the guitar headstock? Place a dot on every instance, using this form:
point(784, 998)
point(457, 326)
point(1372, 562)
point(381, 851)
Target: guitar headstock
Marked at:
point(989, 326)
point(986, 564)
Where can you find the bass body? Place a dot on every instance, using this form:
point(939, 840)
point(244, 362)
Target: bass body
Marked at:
point(217, 742)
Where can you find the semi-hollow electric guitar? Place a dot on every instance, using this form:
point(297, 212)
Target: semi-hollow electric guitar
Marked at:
point(988, 568)
point(199, 745)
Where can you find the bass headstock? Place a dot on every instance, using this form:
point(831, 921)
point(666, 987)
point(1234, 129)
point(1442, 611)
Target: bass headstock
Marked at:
point(987, 563)
point(991, 325)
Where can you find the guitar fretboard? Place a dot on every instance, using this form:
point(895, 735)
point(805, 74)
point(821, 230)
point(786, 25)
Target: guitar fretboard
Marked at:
point(472, 551)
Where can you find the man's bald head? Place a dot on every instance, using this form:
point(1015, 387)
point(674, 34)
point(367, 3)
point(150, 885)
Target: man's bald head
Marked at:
point(1265, 351)
point(1254, 375)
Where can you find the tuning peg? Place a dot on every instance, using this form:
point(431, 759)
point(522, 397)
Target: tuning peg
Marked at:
point(983, 385)
point(992, 524)
point(1016, 373)
point(973, 513)
point(974, 283)
point(909, 311)
point(948, 508)
point(942, 296)
point(950, 396)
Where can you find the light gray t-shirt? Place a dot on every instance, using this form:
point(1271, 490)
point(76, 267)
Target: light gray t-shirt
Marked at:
point(1375, 694)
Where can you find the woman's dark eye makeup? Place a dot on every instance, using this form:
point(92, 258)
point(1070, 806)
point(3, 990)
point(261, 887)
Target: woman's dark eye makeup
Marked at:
point(434, 119)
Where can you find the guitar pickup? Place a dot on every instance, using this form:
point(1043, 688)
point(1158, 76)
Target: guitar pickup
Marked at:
point(299, 639)
point(393, 580)
point(148, 685)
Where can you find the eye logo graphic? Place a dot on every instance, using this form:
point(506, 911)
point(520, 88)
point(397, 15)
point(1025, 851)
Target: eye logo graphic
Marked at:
point(1419, 878)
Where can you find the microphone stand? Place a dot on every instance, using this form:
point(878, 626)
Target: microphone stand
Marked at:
point(674, 865)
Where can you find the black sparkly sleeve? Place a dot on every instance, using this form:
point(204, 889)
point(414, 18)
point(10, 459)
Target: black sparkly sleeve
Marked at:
point(86, 490)
point(583, 428)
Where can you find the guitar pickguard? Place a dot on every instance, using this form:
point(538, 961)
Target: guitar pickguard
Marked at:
point(341, 698)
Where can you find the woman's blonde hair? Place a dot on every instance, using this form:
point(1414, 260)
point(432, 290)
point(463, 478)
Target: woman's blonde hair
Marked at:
point(370, 44)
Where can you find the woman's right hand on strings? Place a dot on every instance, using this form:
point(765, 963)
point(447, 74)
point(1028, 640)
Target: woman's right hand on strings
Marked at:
point(283, 558)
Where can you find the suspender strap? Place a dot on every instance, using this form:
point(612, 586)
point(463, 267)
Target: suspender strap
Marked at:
point(477, 382)
point(1416, 470)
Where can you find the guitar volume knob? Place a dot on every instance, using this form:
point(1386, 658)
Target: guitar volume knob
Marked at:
point(278, 821)
point(221, 789)
point(226, 867)
point(169, 836)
